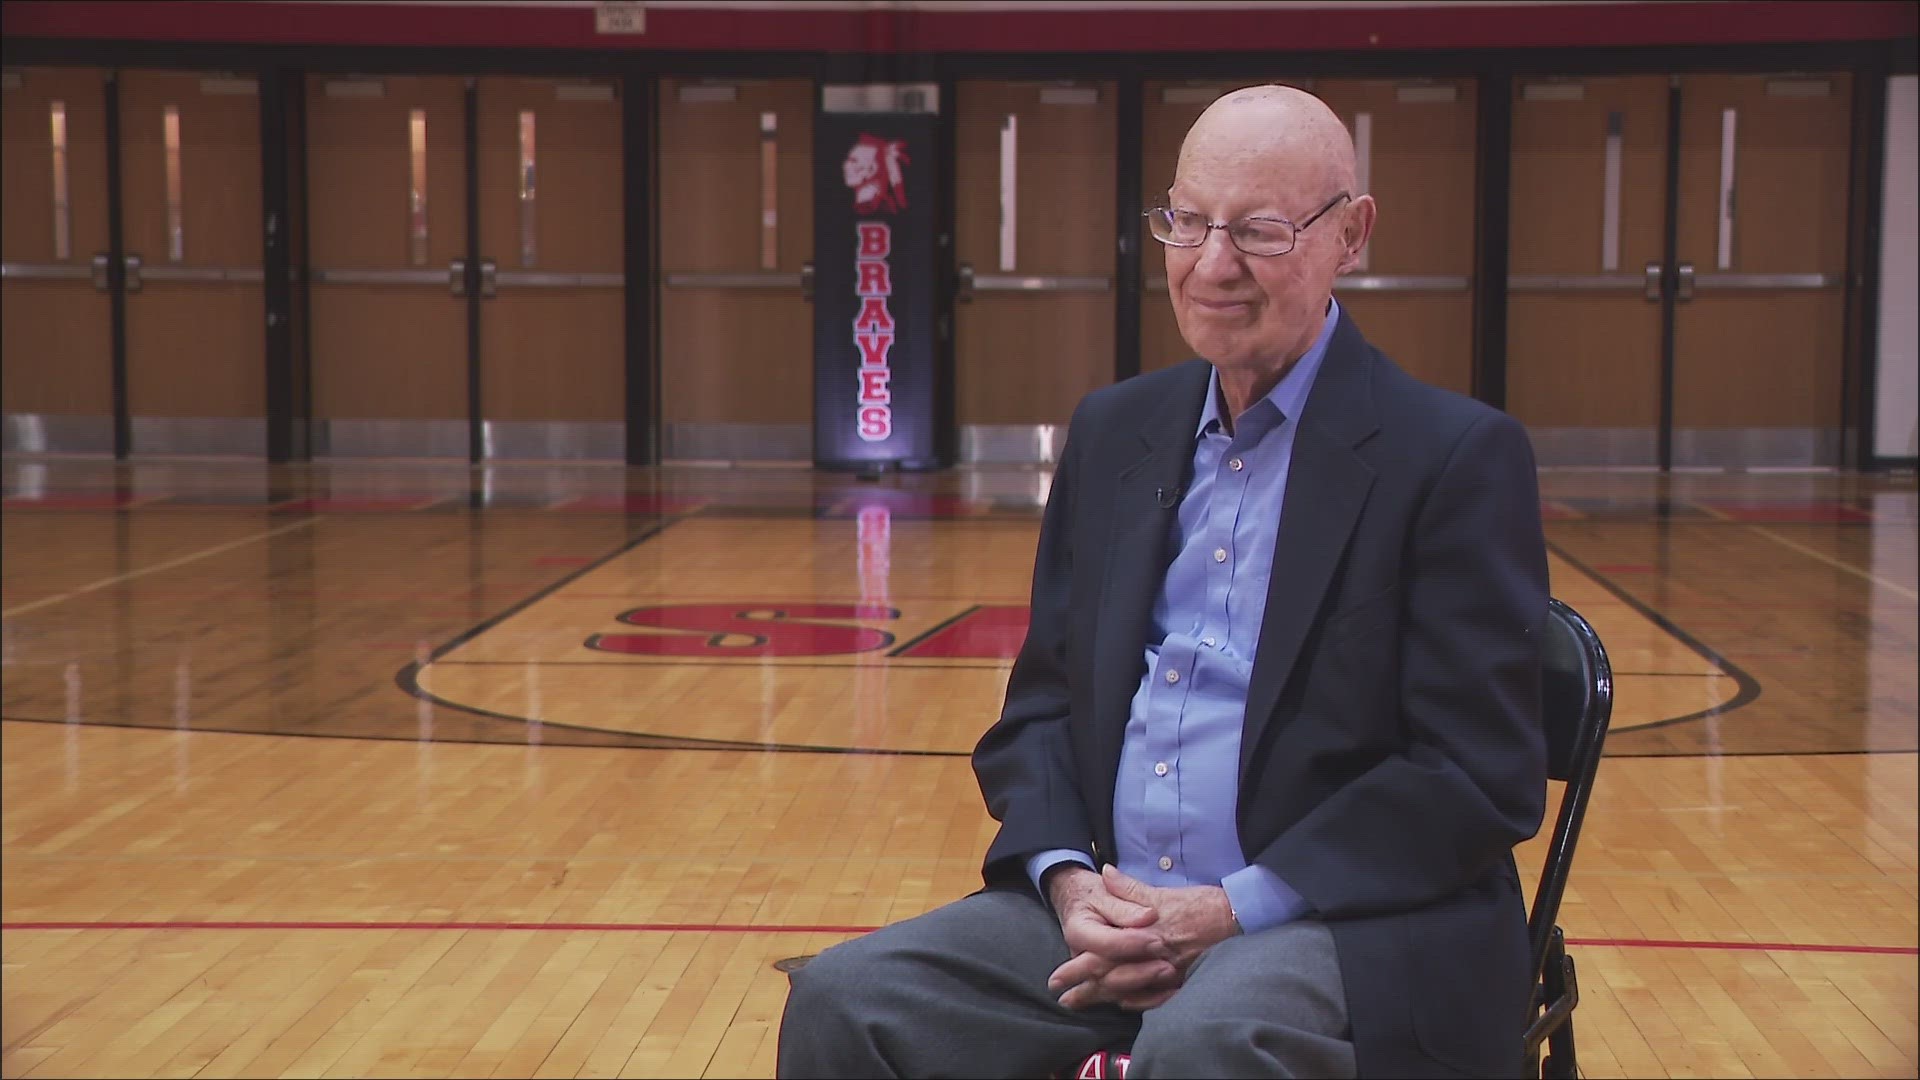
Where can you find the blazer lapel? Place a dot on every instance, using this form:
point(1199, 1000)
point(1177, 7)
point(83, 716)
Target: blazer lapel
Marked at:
point(1136, 560)
point(1327, 485)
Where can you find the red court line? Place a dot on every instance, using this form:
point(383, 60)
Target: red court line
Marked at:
point(1746, 946)
point(718, 928)
point(747, 928)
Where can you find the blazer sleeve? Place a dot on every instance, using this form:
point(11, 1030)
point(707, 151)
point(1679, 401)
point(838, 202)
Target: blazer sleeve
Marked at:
point(1468, 781)
point(1024, 762)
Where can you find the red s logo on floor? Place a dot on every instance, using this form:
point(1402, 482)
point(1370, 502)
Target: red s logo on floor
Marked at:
point(980, 632)
point(748, 630)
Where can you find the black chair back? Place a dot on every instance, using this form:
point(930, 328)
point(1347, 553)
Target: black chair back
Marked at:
point(1577, 703)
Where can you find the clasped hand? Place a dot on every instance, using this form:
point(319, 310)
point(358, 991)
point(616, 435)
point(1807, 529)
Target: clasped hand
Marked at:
point(1132, 942)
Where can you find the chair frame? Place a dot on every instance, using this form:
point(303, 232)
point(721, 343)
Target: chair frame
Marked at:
point(1556, 991)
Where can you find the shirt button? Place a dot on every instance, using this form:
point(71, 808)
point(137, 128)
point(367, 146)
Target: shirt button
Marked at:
point(1160, 768)
point(1219, 554)
point(1173, 676)
point(1166, 862)
point(1236, 464)
point(1207, 641)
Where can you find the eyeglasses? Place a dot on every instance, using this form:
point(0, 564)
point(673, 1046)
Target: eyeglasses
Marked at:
point(1260, 236)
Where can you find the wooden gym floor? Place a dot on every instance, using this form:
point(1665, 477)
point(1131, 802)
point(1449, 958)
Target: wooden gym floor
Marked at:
point(382, 770)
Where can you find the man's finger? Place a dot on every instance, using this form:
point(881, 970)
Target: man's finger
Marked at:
point(1116, 943)
point(1128, 980)
point(1127, 888)
point(1085, 995)
point(1143, 984)
point(1123, 912)
point(1082, 968)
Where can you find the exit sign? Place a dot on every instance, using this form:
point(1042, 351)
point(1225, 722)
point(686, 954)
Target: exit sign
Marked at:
point(615, 17)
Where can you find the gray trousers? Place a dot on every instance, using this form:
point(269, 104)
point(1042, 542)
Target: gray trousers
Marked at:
point(962, 991)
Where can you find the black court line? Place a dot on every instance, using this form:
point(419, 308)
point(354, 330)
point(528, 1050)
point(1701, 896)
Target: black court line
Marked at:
point(1749, 687)
point(546, 590)
point(1668, 675)
point(935, 629)
point(596, 738)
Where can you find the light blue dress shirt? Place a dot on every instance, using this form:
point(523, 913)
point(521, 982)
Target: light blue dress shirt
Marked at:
point(1179, 781)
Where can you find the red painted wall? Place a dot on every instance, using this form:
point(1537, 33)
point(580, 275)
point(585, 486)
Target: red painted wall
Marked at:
point(1195, 28)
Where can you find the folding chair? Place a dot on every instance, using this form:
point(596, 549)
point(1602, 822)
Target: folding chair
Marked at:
point(1577, 702)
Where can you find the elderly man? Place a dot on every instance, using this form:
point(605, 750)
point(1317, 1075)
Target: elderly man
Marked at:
point(1275, 728)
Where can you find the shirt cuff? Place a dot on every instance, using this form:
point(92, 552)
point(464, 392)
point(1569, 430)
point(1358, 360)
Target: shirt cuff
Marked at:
point(1038, 865)
point(1261, 901)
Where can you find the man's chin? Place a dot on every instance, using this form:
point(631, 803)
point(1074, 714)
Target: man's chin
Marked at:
point(1218, 333)
point(1223, 352)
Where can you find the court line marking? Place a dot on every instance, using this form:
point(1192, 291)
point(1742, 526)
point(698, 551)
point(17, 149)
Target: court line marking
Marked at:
point(1748, 686)
point(747, 928)
point(130, 575)
point(1821, 556)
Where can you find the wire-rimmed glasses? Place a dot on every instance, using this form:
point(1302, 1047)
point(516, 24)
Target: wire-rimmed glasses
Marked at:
point(1256, 235)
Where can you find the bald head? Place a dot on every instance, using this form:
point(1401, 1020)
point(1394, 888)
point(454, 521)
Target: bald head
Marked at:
point(1257, 161)
point(1282, 129)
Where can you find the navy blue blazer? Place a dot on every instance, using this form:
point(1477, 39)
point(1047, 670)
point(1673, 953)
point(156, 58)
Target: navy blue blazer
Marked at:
point(1393, 752)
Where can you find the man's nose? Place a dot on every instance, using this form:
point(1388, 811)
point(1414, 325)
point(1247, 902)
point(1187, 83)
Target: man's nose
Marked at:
point(1218, 258)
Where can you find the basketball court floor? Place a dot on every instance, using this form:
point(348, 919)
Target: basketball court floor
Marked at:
point(396, 770)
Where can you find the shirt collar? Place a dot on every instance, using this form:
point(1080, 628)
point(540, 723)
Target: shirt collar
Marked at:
point(1289, 395)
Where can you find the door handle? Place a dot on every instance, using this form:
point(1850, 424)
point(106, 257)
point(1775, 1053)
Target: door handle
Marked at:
point(489, 279)
point(101, 277)
point(1653, 281)
point(806, 282)
point(965, 294)
point(1686, 281)
point(457, 277)
point(133, 264)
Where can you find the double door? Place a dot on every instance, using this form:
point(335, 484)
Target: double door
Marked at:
point(466, 240)
point(1720, 346)
point(175, 245)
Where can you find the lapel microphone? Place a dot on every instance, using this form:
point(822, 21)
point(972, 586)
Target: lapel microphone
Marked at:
point(1168, 498)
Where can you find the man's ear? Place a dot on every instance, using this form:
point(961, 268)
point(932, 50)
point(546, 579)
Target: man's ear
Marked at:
point(1356, 230)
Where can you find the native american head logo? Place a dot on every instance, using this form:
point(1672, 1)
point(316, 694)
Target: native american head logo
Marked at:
point(873, 169)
